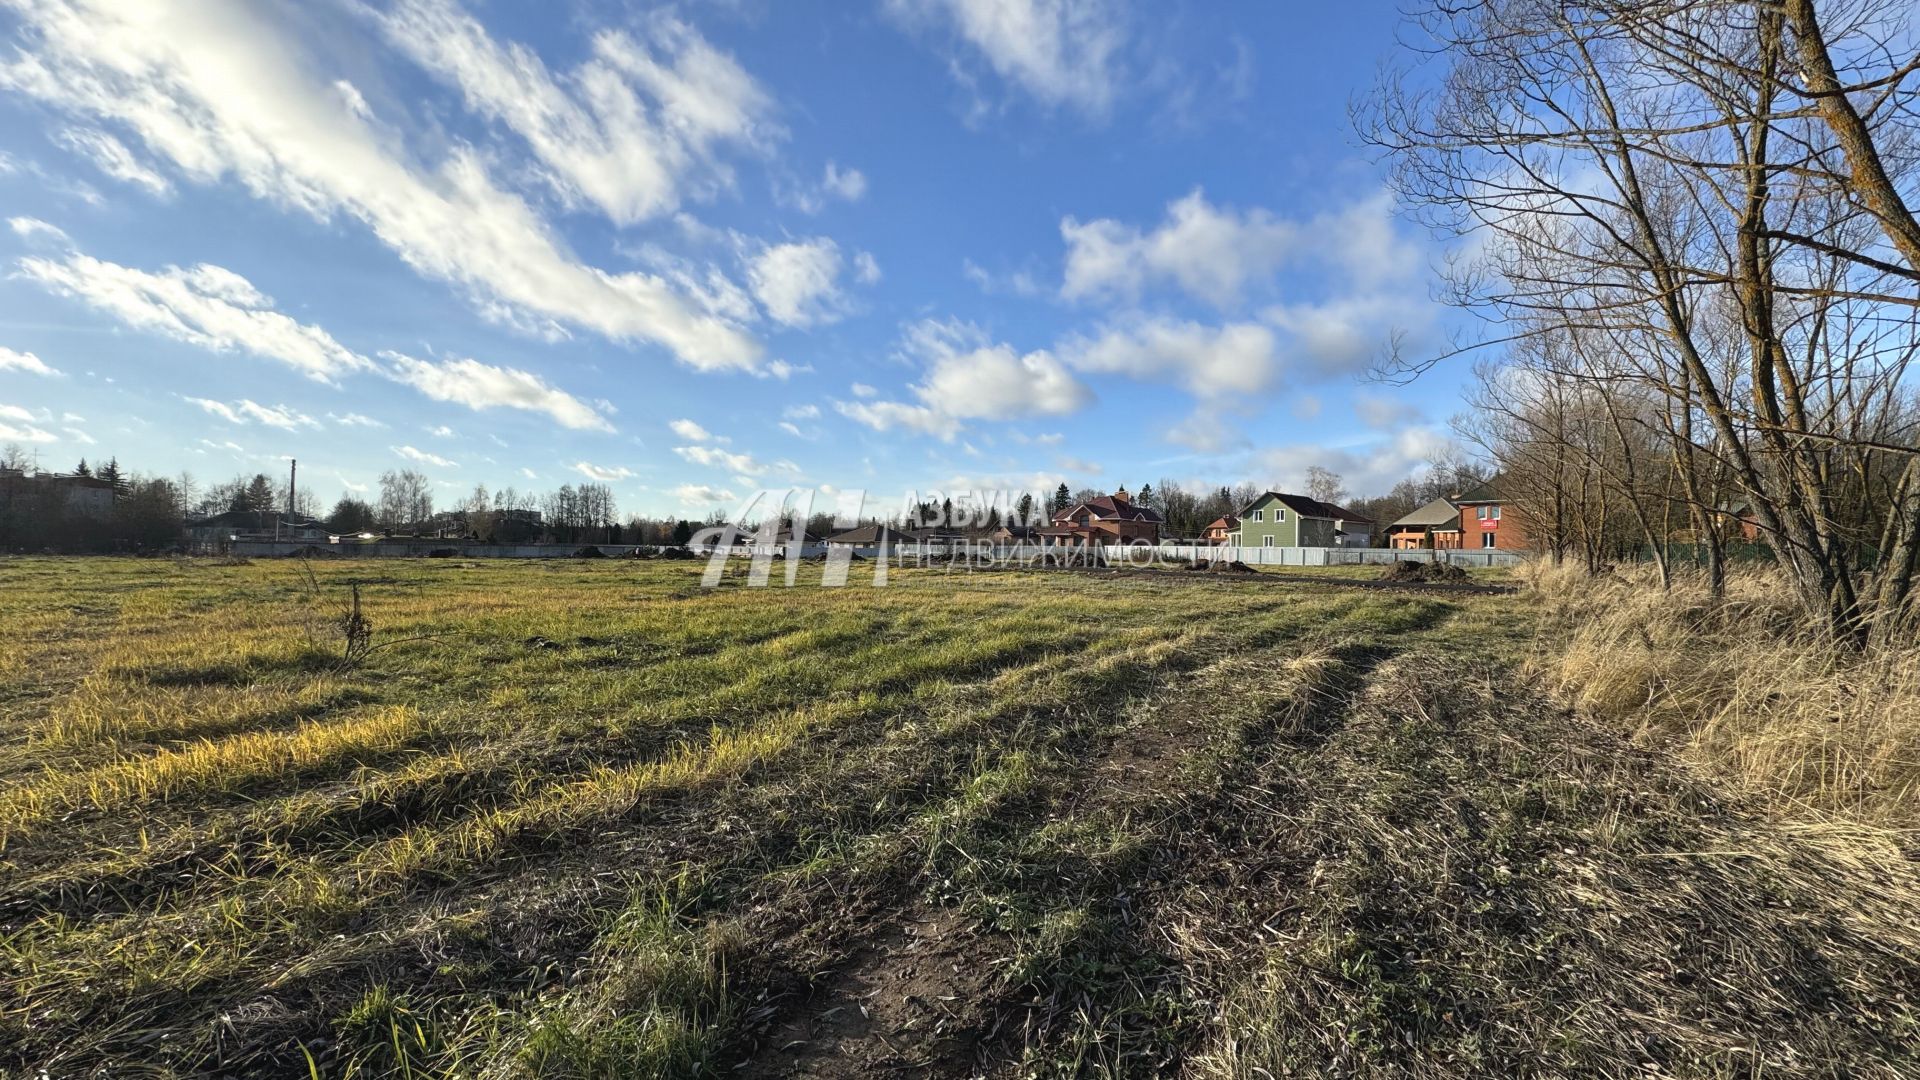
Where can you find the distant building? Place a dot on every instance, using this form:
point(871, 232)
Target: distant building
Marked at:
point(1277, 519)
point(1107, 519)
point(873, 535)
point(46, 493)
point(1220, 529)
point(216, 532)
point(1487, 522)
point(1435, 525)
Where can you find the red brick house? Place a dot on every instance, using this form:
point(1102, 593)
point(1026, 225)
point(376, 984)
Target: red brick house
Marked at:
point(1106, 520)
point(1486, 521)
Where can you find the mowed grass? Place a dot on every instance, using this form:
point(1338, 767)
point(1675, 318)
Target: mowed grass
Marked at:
point(204, 807)
point(590, 819)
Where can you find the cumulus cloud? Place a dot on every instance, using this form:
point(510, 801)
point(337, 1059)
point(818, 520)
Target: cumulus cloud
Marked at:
point(221, 90)
point(690, 431)
point(1062, 52)
point(798, 283)
point(1384, 413)
point(24, 362)
point(251, 412)
point(424, 457)
point(602, 473)
point(702, 494)
point(1210, 252)
point(483, 386)
point(968, 378)
point(1373, 466)
point(204, 305)
point(1207, 361)
point(847, 185)
point(18, 424)
point(740, 463)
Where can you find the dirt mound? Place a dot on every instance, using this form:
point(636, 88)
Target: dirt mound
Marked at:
point(677, 553)
point(1418, 572)
point(311, 551)
point(1224, 566)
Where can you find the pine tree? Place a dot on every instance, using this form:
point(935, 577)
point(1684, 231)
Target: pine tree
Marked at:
point(1062, 498)
point(81, 469)
point(110, 472)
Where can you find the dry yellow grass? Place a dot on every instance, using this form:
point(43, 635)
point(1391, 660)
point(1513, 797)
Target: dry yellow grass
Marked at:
point(1743, 688)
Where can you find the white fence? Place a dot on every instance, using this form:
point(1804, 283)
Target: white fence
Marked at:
point(979, 553)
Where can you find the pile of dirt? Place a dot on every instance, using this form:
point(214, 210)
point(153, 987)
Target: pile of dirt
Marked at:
point(1417, 572)
point(590, 552)
point(308, 551)
point(677, 553)
point(1224, 566)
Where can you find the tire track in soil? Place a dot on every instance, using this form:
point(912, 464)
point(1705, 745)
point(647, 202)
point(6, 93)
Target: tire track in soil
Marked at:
point(923, 992)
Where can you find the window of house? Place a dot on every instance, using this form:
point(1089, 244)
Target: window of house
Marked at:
point(1486, 540)
point(1259, 515)
point(1267, 540)
point(1493, 513)
point(1480, 512)
point(1279, 514)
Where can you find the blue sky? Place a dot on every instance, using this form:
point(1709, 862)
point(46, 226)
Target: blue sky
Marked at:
point(694, 250)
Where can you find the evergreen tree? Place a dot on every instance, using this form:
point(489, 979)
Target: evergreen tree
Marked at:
point(1023, 512)
point(110, 472)
point(81, 469)
point(259, 494)
point(1062, 498)
point(1145, 498)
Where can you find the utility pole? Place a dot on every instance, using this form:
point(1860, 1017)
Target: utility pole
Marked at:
point(293, 474)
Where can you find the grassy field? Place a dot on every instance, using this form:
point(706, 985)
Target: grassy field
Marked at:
point(588, 819)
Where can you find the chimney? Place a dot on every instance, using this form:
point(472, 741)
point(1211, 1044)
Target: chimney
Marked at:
point(1122, 496)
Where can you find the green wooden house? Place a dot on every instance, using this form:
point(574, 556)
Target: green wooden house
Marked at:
point(1277, 519)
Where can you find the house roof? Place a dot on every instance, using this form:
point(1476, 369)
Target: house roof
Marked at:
point(1018, 530)
point(1227, 522)
point(1436, 513)
point(1306, 507)
point(1107, 508)
point(874, 534)
point(252, 519)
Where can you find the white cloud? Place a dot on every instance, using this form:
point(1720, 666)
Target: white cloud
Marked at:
point(602, 473)
point(481, 386)
point(30, 228)
point(221, 89)
point(12, 360)
point(848, 185)
point(424, 457)
point(968, 378)
point(1368, 467)
point(205, 305)
point(862, 390)
point(993, 383)
point(228, 445)
point(801, 412)
point(866, 268)
point(690, 431)
point(249, 412)
point(743, 464)
point(354, 420)
point(798, 283)
point(702, 494)
point(352, 486)
point(1062, 52)
point(1211, 253)
point(26, 433)
point(1209, 362)
point(75, 435)
point(112, 157)
point(529, 474)
point(621, 132)
point(440, 432)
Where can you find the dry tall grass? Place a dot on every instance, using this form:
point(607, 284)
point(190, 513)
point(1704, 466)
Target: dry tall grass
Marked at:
point(1744, 687)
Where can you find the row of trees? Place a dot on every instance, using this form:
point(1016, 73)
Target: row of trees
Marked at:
point(1694, 237)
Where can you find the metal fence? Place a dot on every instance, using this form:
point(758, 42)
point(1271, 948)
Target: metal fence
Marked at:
point(1005, 554)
